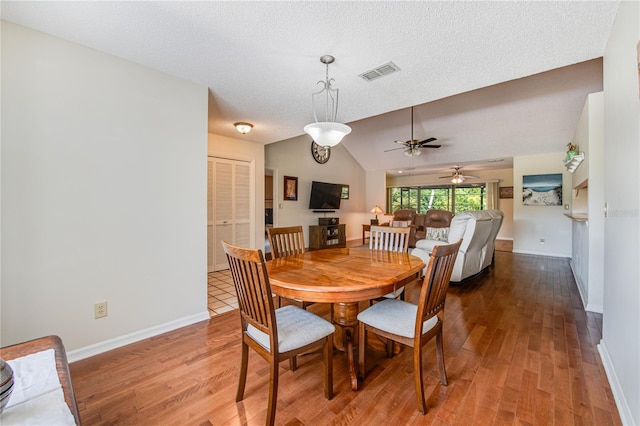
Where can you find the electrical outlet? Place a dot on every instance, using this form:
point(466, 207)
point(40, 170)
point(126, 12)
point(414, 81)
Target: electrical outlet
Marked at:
point(100, 310)
point(541, 240)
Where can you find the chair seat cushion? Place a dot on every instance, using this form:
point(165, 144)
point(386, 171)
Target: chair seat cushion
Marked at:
point(427, 245)
point(395, 316)
point(394, 294)
point(296, 328)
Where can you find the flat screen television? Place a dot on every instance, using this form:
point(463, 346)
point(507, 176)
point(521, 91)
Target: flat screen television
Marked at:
point(325, 196)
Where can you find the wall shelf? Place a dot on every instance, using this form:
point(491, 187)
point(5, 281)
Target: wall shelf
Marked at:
point(575, 161)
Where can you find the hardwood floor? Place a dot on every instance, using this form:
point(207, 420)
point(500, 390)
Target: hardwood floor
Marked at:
point(519, 349)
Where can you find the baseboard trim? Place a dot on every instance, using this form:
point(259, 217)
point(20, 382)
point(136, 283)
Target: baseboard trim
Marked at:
point(590, 307)
point(107, 345)
point(575, 278)
point(536, 253)
point(618, 394)
point(598, 309)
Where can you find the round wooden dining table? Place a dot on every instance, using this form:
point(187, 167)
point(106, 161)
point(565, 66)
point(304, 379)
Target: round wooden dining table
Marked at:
point(343, 277)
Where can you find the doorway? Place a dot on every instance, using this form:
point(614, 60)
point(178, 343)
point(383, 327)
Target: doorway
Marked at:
point(230, 207)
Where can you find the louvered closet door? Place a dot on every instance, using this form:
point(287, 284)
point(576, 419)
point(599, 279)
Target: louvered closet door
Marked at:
point(230, 208)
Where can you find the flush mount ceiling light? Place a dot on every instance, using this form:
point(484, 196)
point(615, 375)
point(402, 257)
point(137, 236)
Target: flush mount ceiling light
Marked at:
point(243, 128)
point(327, 133)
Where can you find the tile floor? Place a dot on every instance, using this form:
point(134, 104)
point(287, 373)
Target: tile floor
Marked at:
point(221, 294)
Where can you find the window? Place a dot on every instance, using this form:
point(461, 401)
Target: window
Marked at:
point(455, 198)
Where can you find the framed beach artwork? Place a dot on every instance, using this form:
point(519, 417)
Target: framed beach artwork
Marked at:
point(542, 190)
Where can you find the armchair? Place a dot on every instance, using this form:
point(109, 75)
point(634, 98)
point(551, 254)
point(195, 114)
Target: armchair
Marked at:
point(433, 219)
point(420, 222)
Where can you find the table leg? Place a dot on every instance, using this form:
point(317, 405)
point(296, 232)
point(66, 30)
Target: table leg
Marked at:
point(345, 317)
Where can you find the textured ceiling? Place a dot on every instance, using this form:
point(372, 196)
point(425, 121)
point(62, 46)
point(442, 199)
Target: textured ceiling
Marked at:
point(260, 61)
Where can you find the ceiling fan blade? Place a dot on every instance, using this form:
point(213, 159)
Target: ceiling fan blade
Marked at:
point(429, 146)
point(469, 177)
point(401, 142)
point(427, 141)
point(394, 149)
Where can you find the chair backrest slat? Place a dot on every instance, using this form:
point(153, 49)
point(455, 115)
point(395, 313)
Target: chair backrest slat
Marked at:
point(250, 279)
point(286, 241)
point(389, 238)
point(436, 282)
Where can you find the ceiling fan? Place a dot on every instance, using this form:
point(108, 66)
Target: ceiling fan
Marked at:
point(458, 177)
point(413, 146)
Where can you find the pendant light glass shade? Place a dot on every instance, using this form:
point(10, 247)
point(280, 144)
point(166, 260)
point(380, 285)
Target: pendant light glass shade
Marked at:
point(327, 133)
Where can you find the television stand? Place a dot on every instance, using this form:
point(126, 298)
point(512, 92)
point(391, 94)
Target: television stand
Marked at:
point(324, 211)
point(327, 236)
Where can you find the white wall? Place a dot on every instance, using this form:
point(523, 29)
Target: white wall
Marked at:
point(292, 157)
point(376, 183)
point(532, 223)
point(588, 237)
point(620, 345)
point(504, 176)
point(238, 149)
point(103, 195)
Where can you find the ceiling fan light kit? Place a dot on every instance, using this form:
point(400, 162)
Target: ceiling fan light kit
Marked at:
point(411, 151)
point(327, 133)
point(458, 177)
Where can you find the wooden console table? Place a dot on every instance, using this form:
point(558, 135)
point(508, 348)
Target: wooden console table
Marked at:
point(365, 228)
point(62, 367)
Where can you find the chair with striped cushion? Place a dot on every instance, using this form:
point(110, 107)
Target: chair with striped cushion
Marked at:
point(275, 334)
point(414, 325)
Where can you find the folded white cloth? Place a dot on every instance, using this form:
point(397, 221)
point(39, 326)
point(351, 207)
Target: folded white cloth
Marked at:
point(37, 397)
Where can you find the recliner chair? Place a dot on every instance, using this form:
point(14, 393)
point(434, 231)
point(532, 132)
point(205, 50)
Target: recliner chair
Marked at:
point(478, 230)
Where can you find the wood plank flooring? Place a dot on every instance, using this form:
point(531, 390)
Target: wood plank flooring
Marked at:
point(519, 349)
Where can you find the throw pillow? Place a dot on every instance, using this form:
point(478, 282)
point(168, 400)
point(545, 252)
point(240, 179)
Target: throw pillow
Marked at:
point(438, 234)
point(400, 223)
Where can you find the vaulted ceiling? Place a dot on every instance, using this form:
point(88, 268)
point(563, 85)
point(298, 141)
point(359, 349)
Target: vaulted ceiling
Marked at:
point(489, 79)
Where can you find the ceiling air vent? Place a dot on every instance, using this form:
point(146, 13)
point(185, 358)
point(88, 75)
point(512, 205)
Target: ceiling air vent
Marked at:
point(380, 71)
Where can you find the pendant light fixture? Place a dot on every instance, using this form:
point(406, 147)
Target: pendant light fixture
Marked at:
point(327, 133)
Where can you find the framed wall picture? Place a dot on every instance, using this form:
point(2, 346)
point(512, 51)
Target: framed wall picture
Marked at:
point(506, 192)
point(542, 190)
point(290, 188)
point(345, 192)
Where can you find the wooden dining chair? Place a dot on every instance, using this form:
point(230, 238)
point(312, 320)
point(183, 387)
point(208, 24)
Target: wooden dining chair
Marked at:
point(287, 241)
point(390, 238)
point(275, 334)
point(414, 325)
